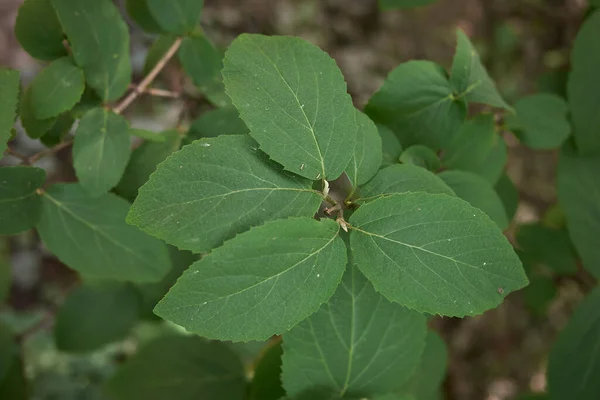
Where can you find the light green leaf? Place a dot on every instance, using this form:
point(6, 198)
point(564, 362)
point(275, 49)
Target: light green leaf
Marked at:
point(583, 86)
point(157, 50)
point(357, 345)
point(293, 98)
point(90, 235)
point(35, 128)
point(101, 150)
point(56, 89)
point(5, 272)
point(9, 98)
point(421, 156)
point(19, 203)
point(176, 16)
point(38, 31)
point(477, 148)
point(266, 383)
point(290, 264)
point(99, 39)
point(430, 373)
point(393, 4)
point(574, 363)
point(417, 102)
point(479, 193)
point(203, 63)
point(579, 195)
point(367, 156)
point(434, 253)
point(143, 163)
point(217, 187)
point(93, 316)
point(402, 178)
point(540, 121)
point(221, 121)
point(148, 135)
point(469, 77)
point(182, 368)
point(506, 190)
point(390, 146)
point(551, 247)
point(139, 12)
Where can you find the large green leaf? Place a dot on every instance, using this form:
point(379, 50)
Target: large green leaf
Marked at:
point(20, 205)
point(540, 121)
point(357, 345)
point(9, 98)
point(479, 193)
point(90, 235)
point(56, 89)
point(99, 39)
point(217, 187)
point(584, 85)
point(477, 148)
point(402, 178)
point(367, 156)
point(293, 98)
point(266, 383)
point(417, 102)
point(390, 145)
point(434, 253)
point(221, 121)
point(176, 16)
point(38, 31)
point(393, 4)
point(574, 364)
point(101, 150)
point(551, 247)
point(182, 368)
point(203, 63)
point(431, 371)
point(293, 265)
point(93, 316)
point(469, 77)
point(579, 196)
point(139, 12)
point(421, 156)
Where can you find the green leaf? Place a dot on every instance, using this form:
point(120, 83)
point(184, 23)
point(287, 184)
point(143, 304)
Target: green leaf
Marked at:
point(540, 121)
point(574, 364)
point(101, 150)
point(157, 50)
point(176, 16)
point(221, 121)
point(293, 98)
point(539, 294)
point(12, 381)
point(93, 316)
point(417, 102)
point(402, 178)
point(469, 77)
point(217, 187)
point(477, 148)
point(434, 253)
point(479, 193)
point(143, 163)
point(421, 156)
point(506, 190)
point(431, 371)
point(367, 156)
point(290, 264)
point(578, 185)
point(554, 82)
point(549, 246)
point(203, 63)
point(584, 84)
point(148, 135)
point(9, 98)
point(99, 39)
point(56, 89)
point(182, 368)
point(266, 383)
point(61, 127)
point(5, 272)
point(38, 31)
point(35, 128)
point(139, 12)
point(90, 236)
point(393, 4)
point(357, 345)
point(8, 349)
point(20, 204)
point(390, 146)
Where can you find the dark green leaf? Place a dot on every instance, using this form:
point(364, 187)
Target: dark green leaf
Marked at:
point(390, 145)
point(434, 253)
point(99, 39)
point(56, 89)
point(157, 50)
point(417, 102)
point(5, 272)
point(266, 384)
point(38, 31)
point(176, 16)
point(182, 368)
point(221, 121)
point(61, 127)
point(101, 150)
point(149, 136)
point(217, 187)
point(293, 98)
point(35, 128)
point(89, 100)
point(19, 203)
point(8, 349)
point(13, 385)
point(93, 316)
point(554, 82)
point(139, 12)
point(367, 156)
point(290, 264)
point(393, 4)
point(431, 371)
point(549, 246)
point(9, 98)
point(506, 190)
point(90, 235)
point(538, 295)
point(421, 156)
point(357, 345)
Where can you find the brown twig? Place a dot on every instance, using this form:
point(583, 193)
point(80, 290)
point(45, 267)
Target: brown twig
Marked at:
point(52, 150)
point(18, 155)
point(157, 92)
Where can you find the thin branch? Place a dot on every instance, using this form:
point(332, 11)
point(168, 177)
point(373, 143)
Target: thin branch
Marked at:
point(62, 145)
point(149, 78)
point(18, 155)
point(157, 92)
